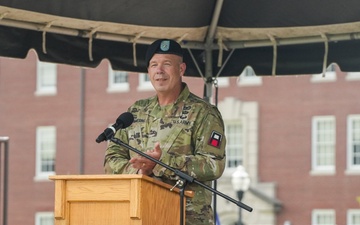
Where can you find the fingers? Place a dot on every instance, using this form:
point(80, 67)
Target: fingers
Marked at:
point(140, 162)
point(156, 152)
point(137, 162)
point(157, 147)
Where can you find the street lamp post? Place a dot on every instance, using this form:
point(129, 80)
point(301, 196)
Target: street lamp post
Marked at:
point(241, 183)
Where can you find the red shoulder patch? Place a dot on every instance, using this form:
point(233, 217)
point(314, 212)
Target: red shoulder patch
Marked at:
point(215, 139)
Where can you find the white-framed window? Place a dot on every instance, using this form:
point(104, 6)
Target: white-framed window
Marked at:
point(352, 76)
point(44, 218)
point(46, 78)
point(241, 121)
point(323, 144)
point(144, 82)
point(249, 78)
point(118, 81)
point(353, 217)
point(329, 76)
point(353, 143)
point(45, 151)
point(234, 134)
point(323, 217)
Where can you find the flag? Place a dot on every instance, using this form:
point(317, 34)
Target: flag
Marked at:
point(217, 220)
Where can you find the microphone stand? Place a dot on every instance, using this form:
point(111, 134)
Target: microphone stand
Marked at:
point(184, 180)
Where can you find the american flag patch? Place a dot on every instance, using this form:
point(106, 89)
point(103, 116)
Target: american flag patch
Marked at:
point(215, 139)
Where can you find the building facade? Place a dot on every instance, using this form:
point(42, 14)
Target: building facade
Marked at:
point(298, 137)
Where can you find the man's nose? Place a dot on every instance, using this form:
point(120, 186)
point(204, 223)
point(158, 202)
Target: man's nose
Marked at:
point(159, 69)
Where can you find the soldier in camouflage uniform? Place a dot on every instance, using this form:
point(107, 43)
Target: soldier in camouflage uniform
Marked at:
point(175, 127)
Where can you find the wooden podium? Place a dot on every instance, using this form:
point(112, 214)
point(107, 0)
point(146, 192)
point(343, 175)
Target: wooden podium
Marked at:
point(115, 200)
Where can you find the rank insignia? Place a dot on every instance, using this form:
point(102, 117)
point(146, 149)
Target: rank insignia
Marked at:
point(215, 139)
point(165, 46)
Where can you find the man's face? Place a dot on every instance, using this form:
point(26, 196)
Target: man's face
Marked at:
point(165, 71)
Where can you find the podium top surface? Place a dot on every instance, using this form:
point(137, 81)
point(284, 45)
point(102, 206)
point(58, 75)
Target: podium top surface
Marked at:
point(100, 176)
point(117, 177)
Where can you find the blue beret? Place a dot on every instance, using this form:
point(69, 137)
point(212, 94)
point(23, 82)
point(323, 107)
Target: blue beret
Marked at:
point(163, 46)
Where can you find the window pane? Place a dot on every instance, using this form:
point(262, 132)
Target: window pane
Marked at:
point(234, 144)
point(353, 217)
point(144, 82)
point(46, 149)
point(46, 221)
point(48, 152)
point(120, 77)
point(353, 145)
point(44, 218)
point(118, 81)
point(46, 77)
point(323, 217)
point(356, 141)
point(324, 143)
point(146, 78)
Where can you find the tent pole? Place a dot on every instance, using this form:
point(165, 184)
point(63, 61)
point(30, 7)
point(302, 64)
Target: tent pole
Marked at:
point(209, 48)
point(209, 72)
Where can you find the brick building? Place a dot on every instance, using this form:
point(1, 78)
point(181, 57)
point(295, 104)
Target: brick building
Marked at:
point(298, 137)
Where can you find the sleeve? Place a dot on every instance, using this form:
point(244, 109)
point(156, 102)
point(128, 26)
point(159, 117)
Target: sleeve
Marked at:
point(117, 157)
point(208, 159)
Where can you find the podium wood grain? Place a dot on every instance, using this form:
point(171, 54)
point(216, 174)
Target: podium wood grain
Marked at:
point(115, 200)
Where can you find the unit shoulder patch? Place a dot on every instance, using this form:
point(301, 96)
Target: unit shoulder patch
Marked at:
point(215, 139)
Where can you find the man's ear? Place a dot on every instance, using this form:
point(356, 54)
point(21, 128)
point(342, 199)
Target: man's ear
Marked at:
point(182, 68)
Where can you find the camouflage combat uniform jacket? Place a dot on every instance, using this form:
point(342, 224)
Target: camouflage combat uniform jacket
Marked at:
point(191, 136)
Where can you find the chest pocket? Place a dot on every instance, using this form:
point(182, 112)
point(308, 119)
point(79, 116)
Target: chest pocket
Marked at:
point(178, 141)
point(173, 134)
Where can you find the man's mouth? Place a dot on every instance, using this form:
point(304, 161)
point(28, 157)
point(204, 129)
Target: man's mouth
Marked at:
point(160, 79)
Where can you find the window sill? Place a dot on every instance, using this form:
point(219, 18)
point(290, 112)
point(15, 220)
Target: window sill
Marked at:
point(118, 89)
point(352, 172)
point(322, 172)
point(145, 88)
point(42, 178)
point(45, 93)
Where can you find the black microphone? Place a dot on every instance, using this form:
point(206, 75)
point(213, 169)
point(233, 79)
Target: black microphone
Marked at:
point(123, 121)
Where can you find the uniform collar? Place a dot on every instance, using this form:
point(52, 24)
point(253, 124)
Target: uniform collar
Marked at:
point(153, 108)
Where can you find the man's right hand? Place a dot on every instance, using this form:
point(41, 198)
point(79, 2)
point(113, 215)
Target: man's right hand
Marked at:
point(144, 165)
